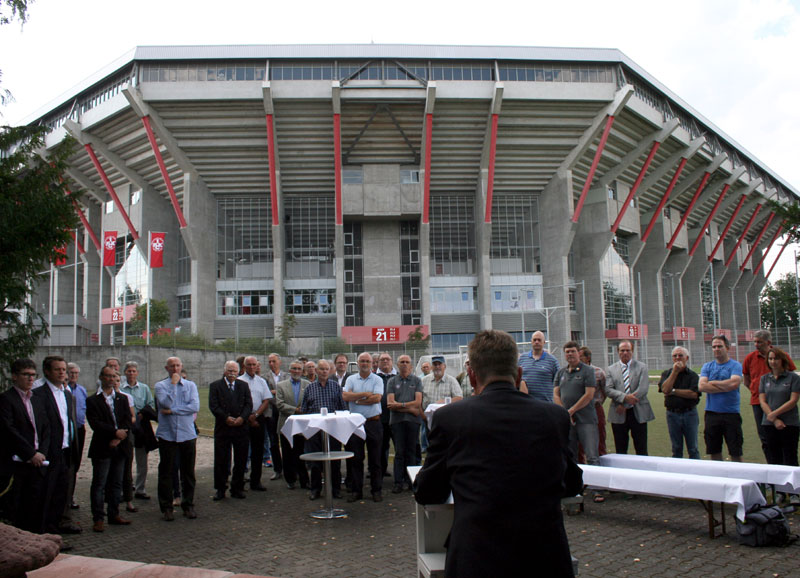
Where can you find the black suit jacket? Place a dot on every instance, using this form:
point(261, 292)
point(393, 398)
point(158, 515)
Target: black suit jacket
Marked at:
point(98, 414)
point(505, 457)
point(224, 404)
point(56, 426)
point(17, 432)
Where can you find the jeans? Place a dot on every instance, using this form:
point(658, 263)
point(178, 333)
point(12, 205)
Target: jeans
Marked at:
point(168, 452)
point(107, 484)
point(588, 435)
point(684, 426)
point(405, 434)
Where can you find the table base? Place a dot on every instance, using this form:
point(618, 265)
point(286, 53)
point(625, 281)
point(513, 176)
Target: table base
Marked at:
point(329, 514)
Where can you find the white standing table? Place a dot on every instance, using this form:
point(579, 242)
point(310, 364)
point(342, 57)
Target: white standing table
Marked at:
point(341, 425)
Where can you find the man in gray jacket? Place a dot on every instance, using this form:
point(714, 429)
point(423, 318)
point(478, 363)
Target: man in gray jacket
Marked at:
point(627, 384)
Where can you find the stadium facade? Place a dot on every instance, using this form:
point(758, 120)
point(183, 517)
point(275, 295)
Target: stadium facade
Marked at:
point(371, 189)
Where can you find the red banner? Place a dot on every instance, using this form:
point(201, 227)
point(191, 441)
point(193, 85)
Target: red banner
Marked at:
point(156, 250)
point(109, 248)
point(61, 258)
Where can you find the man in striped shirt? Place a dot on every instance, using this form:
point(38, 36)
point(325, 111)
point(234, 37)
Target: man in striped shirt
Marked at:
point(539, 369)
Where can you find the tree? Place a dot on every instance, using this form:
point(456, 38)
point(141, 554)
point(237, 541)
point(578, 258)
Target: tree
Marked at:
point(36, 216)
point(417, 341)
point(159, 316)
point(779, 303)
point(286, 328)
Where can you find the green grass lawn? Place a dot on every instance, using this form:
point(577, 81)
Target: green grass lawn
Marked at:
point(658, 443)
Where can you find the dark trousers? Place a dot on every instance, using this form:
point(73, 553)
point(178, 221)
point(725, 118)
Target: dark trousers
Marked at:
point(758, 415)
point(314, 444)
point(107, 474)
point(274, 443)
point(127, 476)
point(782, 444)
point(232, 439)
point(638, 432)
point(256, 435)
point(74, 471)
point(167, 453)
point(386, 437)
point(405, 435)
point(57, 489)
point(294, 468)
point(355, 465)
point(23, 505)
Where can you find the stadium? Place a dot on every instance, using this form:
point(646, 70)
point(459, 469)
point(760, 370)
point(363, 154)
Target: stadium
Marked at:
point(367, 191)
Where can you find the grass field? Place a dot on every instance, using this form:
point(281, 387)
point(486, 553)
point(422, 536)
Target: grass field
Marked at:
point(658, 443)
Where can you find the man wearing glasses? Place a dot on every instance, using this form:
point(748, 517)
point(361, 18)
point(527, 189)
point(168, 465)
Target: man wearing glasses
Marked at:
point(24, 445)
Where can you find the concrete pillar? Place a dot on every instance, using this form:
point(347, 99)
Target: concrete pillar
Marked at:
point(650, 302)
point(483, 242)
point(694, 273)
point(200, 211)
point(338, 259)
point(557, 235)
point(383, 287)
point(425, 270)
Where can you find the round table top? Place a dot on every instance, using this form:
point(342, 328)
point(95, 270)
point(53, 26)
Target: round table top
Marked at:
point(326, 456)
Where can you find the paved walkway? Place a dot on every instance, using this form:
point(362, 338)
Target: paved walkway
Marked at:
point(271, 534)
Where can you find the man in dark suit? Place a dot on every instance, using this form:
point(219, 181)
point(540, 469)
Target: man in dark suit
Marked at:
point(109, 416)
point(505, 457)
point(60, 409)
point(24, 446)
point(230, 401)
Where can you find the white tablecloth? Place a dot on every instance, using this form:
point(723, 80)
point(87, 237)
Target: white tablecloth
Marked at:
point(432, 407)
point(787, 477)
point(338, 425)
point(743, 493)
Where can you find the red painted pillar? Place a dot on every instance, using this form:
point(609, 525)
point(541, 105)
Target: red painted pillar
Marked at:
point(758, 240)
point(490, 186)
point(708, 220)
point(163, 168)
point(99, 168)
point(688, 210)
point(273, 174)
point(664, 199)
point(426, 190)
point(738, 208)
point(635, 186)
point(598, 153)
point(776, 259)
point(771, 243)
point(744, 232)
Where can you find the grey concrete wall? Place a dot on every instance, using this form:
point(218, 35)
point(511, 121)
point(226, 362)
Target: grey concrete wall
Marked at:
point(200, 212)
point(383, 292)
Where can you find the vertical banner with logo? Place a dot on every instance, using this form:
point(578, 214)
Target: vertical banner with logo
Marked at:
point(61, 256)
point(109, 248)
point(156, 250)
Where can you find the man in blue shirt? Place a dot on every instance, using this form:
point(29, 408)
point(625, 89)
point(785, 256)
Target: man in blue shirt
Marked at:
point(539, 369)
point(363, 392)
point(178, 404)
point(720, 380)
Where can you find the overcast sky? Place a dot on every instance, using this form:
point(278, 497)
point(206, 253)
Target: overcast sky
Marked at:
point(734, 61)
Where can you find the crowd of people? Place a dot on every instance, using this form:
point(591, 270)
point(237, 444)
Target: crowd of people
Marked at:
point(43, 422)
point(43, 431)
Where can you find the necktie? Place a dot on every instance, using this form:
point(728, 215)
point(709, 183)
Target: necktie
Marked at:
point(626, 379)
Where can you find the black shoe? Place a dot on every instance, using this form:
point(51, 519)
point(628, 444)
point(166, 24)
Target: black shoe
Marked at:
point(69, 529)
point(238, 495)
point(337, 494)
point(291, 485)
point(258, 488)
point(220, 495)
point(276, 476)
point(397, 489)
point(65, 547)
point(141, 496)
point(353, 497)
point(189, 513)
point(303, 486)
point(314, 495)
point(169, 515)
point(74, 506)
point(377, 497)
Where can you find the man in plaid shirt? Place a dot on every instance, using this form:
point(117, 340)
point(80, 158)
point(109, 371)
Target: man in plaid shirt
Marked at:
point(323, 392)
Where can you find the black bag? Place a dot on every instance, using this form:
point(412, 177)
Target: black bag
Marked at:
point(764, 526)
